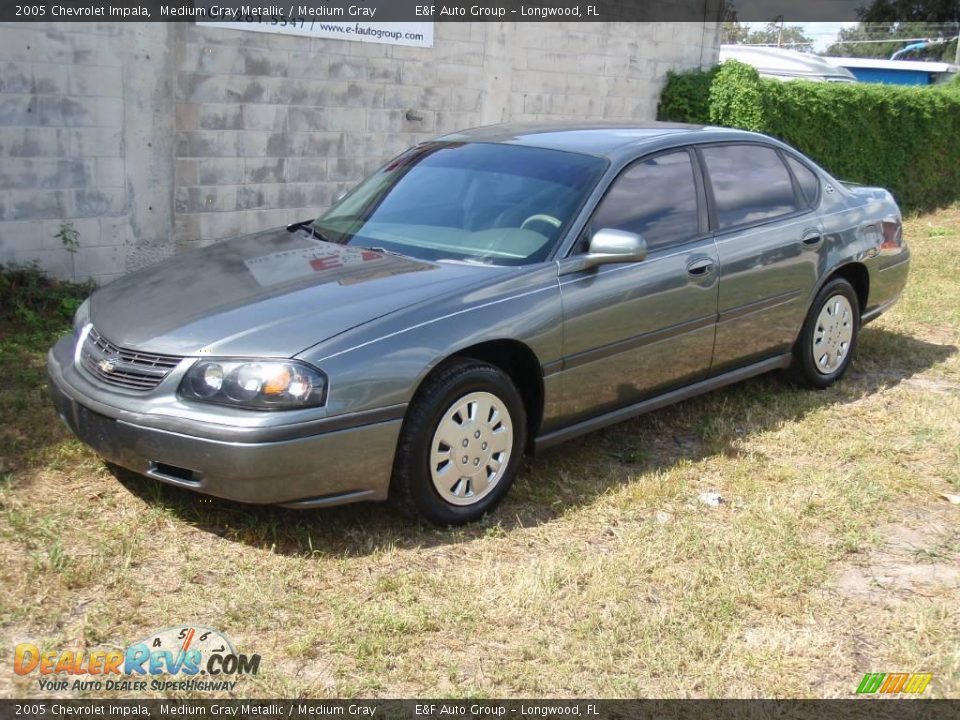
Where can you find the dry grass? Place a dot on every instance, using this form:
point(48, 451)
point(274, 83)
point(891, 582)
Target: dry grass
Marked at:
point(602, 575)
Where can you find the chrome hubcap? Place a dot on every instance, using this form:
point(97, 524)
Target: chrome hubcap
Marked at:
point(471, 448)
point(833, 334)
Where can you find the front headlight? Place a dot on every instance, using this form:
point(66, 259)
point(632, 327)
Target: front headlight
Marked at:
point(255, 384)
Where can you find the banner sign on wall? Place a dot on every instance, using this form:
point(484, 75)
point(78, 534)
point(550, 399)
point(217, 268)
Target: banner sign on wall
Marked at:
point(415, 34)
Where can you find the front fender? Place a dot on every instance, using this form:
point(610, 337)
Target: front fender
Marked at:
point(384, 363)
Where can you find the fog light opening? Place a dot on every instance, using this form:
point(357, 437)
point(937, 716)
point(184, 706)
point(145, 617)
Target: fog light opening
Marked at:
point(164, 471)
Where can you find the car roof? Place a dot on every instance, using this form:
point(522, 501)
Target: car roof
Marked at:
point(602, 139)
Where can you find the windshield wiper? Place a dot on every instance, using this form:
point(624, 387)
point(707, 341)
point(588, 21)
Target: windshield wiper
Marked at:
point(310, 227)
point(377, 248)
point(317, 234)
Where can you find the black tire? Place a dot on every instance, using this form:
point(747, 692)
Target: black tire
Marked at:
point(805, 370)
point(412, 489)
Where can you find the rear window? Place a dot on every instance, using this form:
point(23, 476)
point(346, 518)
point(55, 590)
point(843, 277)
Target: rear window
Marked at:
point(750, 184)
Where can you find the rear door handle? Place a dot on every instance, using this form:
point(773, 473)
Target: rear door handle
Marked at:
point(700, 267)
point(813, 239)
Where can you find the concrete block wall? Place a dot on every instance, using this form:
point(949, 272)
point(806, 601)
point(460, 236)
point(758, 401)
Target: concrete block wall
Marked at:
point(61, 142)
point(154, 138)
point(86, 136)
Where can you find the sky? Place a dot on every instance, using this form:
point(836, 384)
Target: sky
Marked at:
point(822, 33)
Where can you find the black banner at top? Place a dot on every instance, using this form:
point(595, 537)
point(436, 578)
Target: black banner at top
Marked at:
point(281, 11)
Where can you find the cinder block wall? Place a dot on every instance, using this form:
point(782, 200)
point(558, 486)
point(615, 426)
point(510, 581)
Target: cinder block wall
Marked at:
point(153, 138)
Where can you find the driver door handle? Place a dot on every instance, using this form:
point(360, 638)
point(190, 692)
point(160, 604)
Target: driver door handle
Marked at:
point(700, 267)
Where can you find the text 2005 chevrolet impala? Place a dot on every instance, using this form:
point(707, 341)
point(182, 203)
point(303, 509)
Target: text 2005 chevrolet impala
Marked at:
point(491, 292)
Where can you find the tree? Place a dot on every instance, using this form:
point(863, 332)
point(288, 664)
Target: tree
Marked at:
point(892, 21)
point(911, 11)
point(792, 35)
point(734, 32)
point(894, 37)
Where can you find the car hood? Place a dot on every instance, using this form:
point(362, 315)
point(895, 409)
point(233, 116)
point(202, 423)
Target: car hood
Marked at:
point(273, 293)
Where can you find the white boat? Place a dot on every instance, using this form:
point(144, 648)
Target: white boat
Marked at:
point(783, 64)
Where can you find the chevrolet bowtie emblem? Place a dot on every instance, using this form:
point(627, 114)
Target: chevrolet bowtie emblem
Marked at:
point(108, 365)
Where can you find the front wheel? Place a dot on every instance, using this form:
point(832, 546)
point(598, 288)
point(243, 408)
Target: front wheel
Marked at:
point(461, 444)
point(829, 336)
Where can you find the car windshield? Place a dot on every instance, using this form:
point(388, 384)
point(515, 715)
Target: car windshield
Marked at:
point(476, 202)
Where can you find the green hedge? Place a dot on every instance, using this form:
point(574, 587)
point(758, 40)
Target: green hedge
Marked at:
point(906, 139)
point(686, 97)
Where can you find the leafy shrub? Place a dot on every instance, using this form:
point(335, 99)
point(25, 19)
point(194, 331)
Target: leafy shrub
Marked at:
point(68, 236)
point(903, 138)
point(31, 298)
point(686, 98)
point(736, 98)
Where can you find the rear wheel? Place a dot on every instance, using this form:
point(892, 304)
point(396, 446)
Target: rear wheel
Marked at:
point(829, 336)
point(461, 444)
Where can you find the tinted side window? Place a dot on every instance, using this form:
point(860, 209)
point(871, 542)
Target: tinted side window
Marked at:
point(750, 184)
point(656, 198)
point(809, 183)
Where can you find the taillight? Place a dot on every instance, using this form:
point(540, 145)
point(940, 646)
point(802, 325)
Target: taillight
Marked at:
point(892, 233)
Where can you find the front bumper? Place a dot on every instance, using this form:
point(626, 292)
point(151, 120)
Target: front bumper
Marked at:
point(327, 468)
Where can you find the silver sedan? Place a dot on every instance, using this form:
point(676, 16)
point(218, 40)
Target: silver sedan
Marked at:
point(482, 296)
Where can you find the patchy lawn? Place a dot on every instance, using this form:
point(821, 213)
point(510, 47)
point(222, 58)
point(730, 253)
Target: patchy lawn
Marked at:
point(602, 575)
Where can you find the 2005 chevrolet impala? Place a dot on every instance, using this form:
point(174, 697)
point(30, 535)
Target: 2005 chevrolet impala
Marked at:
point(489, 293)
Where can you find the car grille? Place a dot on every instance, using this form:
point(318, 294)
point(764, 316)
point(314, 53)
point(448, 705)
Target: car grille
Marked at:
point(130, 369)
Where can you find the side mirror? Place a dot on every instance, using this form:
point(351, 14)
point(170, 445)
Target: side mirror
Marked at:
point(608, 246)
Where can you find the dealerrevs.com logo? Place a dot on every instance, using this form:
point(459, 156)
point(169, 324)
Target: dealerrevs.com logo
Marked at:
point(186, 658)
